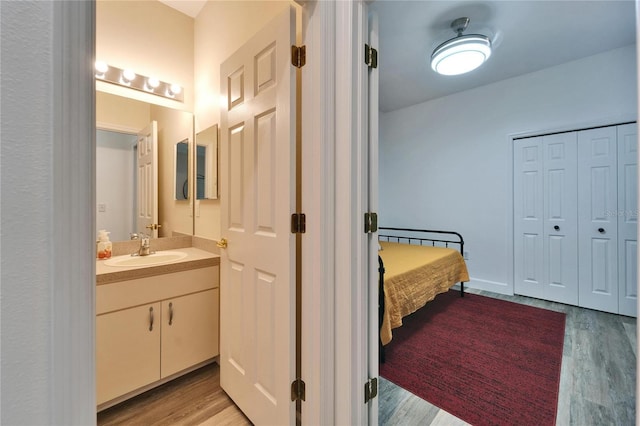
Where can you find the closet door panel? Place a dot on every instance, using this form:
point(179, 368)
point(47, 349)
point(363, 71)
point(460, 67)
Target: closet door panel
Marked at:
point(627, 216)
point(560, 227)
point(597, 226)
point(528, 217)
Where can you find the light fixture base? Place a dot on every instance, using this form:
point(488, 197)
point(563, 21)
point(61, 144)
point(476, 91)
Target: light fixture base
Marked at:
point(460, 24)
point(151, 85)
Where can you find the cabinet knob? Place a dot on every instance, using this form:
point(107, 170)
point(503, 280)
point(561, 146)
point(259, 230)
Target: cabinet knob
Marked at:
point(557, 228)
point(601, 230)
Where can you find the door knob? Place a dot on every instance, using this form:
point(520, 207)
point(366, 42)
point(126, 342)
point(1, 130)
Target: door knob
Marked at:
point(222, 243)
point(601, 230)
point(557, 228)
point(153, 226)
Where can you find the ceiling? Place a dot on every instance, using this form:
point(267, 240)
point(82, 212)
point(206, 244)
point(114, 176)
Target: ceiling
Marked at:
point(527, 36)
point(188, 7)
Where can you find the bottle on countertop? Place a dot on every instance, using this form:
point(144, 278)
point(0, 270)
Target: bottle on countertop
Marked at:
point(103, 245)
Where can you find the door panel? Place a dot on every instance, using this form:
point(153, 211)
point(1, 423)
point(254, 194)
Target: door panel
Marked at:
point(257, 287)
point(235, 161)
point(528, 217)
point(628, 218)
point(265, 163)
point(235, 343)
point(597, 221)
point(560, 219)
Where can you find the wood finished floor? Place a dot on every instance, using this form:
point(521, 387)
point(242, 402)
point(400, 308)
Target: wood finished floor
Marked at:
point(597, 383)
point(191, 400)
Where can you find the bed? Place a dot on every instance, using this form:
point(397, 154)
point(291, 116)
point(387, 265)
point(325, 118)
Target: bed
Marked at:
point(415, 265)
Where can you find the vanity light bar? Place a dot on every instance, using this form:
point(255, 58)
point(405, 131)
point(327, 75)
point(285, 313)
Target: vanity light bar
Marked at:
point(128, 78)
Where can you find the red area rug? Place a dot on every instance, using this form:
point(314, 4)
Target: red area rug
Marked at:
point(484, 360)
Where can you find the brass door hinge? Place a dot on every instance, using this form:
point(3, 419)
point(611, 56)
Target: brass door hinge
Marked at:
point(298, 56)
point(370, 389)
point(370, 56)
point(298, 390)
point(298, 223)
point(370, 222)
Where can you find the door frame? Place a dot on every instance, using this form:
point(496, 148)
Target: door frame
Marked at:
point(72, 382)
point(334, 314)
point(328, 348)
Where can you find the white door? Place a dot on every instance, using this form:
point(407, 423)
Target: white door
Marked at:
point(628, 218)
point(528, 217)
point(560, 226)
point(597, 219)
point(257, 183)
point(147, 181)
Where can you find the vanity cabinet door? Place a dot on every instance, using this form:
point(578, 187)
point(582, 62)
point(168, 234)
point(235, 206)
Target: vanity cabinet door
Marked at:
point(189, 330)
point(127, 350)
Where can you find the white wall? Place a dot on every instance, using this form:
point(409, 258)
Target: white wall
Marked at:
point(115, 183)
point(150, 38)
point(47, 221)
point(446, 164)
point(27, 146)
point(220, 29)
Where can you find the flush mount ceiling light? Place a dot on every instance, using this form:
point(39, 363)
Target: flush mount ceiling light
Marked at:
point(462, 53)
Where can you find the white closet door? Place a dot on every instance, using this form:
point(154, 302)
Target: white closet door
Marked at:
point(560, 228)
point(597, 221)
point(627, 215)
point(528, 217)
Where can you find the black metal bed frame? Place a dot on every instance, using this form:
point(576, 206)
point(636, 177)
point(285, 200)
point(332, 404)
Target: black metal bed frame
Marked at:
point(455, 238)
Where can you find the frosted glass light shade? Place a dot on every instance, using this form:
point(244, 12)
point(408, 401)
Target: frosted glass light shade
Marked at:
point(461, 54)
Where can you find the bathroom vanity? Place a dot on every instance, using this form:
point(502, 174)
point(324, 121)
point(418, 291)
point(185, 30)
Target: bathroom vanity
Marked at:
point(154, 322)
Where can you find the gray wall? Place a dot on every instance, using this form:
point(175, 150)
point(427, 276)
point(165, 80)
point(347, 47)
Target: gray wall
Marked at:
point(446, 164)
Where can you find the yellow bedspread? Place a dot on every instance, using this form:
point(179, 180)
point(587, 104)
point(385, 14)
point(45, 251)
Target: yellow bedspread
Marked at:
point(415, 275)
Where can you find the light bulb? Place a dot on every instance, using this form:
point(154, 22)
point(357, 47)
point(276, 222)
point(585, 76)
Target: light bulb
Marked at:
point(151, 84)
point(101, 67)
point(128, 76)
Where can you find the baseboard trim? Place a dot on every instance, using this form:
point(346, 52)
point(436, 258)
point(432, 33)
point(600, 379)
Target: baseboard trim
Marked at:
point(494, 286)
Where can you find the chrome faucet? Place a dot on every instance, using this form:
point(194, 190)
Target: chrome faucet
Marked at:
point(145, 246)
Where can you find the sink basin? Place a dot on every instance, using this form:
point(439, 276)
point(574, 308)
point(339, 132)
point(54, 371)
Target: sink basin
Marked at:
point(158, 258)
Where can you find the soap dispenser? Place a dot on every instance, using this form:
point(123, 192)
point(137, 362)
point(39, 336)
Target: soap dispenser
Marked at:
point(103, 245)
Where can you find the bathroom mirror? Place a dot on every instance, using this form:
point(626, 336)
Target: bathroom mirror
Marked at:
point(206, 161)
point(119, 120)
point(182, 170)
